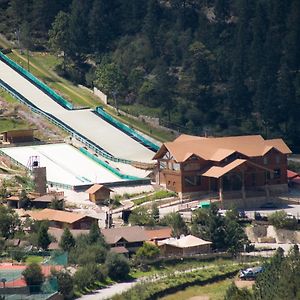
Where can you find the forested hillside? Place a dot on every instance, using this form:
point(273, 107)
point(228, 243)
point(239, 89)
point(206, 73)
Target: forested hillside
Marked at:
point(211, 66)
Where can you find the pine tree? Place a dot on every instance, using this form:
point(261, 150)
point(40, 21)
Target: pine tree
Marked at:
point(152, 20)
point(59, 38)
point(95, 235)
point(222, 9)
point(260, 27)
point(292, 39)
point(103, 24)
point(78, 26)
point(43, 237)
point(67, 241)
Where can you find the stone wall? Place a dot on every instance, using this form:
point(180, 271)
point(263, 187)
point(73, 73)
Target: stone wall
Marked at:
point(260, 233)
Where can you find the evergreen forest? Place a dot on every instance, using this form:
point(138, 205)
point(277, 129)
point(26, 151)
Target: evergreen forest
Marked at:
point(217, 67)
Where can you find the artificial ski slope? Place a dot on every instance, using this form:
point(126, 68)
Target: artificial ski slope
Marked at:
point(85, 122)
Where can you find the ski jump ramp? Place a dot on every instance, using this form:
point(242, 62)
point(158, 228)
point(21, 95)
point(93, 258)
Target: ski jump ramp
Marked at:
point(85, 121)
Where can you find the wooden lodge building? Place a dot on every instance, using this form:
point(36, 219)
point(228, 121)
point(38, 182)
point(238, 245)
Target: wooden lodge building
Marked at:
point(223, 167)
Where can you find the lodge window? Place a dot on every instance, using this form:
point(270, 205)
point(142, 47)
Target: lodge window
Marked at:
point(277, 159)
point(265, 160)
point(190, 181)
point(277, 173)
point(176, 166)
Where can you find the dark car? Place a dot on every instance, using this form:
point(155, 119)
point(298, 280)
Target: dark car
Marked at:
point(260, 217)
point(269, 205)
point(242, 214)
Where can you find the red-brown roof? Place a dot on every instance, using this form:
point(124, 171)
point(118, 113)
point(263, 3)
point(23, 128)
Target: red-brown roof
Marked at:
point(292, 174)
point(120, 250)
point(96, 187)
point(56, 215)
point(128, 233)
point(158, 234)
point(216, 149)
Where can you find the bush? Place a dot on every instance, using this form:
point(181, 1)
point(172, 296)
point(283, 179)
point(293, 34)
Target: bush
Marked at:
point(18, 254)
point(147, 251)
point(65, 284)
point(34, 277)
point(281, 220)
point(117, 266)
point(88, 275)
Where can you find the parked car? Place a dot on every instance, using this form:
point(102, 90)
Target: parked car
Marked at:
point(242, 214)
point(259, 217)
point(269, 205)
point(250, 273)
point(222, 212)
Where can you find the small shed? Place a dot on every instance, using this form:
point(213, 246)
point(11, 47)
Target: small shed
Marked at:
point(184, 246)
point(98, 193)
point(17, 136)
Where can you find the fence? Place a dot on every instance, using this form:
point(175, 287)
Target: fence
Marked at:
point(62, 125)
point(40, 85)
point(126, 129)
point(107, 166)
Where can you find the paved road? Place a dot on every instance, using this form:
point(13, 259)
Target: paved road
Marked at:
point(107, 293)
point(84, 121)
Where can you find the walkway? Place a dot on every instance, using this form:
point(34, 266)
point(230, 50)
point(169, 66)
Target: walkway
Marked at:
point(109, 292)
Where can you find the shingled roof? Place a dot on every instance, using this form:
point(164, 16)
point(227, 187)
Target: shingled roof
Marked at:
point(56, 215)
point(217, 149)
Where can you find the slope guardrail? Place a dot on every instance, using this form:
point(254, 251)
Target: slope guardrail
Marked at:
point(107, 166)
point(126, 129)
point(62, 125)
point(39, 84)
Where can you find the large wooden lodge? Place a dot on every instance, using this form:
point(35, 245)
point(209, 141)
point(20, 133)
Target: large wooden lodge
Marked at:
point(233, 167)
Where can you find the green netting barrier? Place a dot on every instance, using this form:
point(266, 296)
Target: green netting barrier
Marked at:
point(57, 259)
point(107, 166)
point(57, 98)
point(107, 117)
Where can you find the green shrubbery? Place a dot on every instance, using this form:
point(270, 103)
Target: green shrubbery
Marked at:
point(281, 220)
point(174, 282)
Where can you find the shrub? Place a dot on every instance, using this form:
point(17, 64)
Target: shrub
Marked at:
point(34, 277)
point(281, 220)
point(117, 266)
point(86, 276)
point(147, 251)
point(65, 284)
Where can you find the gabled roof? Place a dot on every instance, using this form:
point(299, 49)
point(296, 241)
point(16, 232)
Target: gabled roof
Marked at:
point(218, 172)
point(184, 242)
point(128, 233)
point(158, 234)
point(58, 232)
point(56, 215)
point(96, 187)
point(216, 149)
point(120, 250)
point(49, 198)
point(292, 174)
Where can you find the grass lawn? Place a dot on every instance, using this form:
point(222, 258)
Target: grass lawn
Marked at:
point(11, 123)
point(171, 266)
point(34, 259)
point(7, 97)
point(215, 291)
